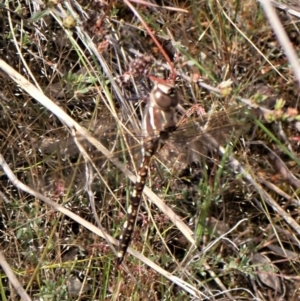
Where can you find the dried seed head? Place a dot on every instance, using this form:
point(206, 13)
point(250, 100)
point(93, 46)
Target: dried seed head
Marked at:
point(141, 65)
point(69, 22)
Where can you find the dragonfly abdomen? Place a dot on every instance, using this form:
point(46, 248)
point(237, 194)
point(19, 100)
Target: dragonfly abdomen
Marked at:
point(135, 200)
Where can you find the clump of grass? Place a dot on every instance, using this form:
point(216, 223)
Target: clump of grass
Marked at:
point(232, 232)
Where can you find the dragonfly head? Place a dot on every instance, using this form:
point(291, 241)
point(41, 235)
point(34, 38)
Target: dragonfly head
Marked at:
point(164, 96)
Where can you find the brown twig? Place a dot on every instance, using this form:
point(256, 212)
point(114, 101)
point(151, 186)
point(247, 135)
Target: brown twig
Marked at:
point(173, 73)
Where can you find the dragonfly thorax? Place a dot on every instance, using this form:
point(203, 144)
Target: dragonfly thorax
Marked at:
point(160, 112)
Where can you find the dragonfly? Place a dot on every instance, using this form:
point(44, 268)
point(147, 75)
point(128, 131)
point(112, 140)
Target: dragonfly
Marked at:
point(158, 124)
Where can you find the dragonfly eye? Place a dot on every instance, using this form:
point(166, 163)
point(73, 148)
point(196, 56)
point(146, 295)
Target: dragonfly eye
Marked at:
point(164, 96)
